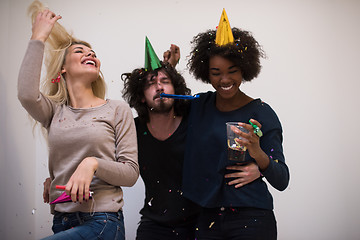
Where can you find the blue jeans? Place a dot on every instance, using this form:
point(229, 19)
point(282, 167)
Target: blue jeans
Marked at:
point(236, 224)
point(78, 225)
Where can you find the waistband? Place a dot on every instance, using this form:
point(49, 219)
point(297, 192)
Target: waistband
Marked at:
point(87, 214)
point(235, 209)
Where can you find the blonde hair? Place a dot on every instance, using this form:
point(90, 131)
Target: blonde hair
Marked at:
point(57, 44)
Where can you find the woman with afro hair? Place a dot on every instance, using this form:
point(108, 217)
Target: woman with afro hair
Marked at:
point(228, 212)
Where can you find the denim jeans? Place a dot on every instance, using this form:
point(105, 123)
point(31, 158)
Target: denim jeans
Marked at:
point(78, 225)
point(236, 224)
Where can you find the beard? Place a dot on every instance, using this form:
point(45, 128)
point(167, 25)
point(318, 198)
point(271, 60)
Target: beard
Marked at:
point(162, 107)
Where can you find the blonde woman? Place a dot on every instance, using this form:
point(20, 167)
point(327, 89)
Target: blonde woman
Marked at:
point(92, 141)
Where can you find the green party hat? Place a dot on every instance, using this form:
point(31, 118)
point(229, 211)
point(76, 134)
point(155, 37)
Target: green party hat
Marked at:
point(152, 61)
point(224, 34)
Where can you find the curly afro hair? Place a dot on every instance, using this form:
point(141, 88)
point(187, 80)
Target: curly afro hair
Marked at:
point(245, 53)
point(134, 85)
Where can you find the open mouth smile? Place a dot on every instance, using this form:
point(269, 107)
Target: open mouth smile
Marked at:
point(89, 62)
point(227, 88)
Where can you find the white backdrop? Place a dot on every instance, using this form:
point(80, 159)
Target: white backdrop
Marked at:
point(310, 78)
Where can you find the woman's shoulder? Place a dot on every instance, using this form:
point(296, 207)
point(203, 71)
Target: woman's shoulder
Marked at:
point(206, 94)
point(204, 97)
point(262, 106)
point(117, 103)
point(262, 110)
point(119, 107)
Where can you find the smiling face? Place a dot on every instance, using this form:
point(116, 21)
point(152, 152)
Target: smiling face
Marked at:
point(225, 77)
point(156, 84)
point(80, 60)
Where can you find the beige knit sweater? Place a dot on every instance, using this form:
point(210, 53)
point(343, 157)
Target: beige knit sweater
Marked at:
point(106, 132)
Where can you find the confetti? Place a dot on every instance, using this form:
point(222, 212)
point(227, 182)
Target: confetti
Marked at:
point(149, 203)
point(211, 224)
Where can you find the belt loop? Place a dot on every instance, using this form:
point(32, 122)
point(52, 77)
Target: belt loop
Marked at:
point(77, 214)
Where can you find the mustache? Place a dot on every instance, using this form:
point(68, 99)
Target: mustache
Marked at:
point(156, 96)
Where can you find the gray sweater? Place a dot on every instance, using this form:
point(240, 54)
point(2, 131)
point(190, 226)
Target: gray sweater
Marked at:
point(106, 132)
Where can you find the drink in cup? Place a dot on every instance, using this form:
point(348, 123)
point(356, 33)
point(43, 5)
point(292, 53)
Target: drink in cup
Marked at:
point(236, 152)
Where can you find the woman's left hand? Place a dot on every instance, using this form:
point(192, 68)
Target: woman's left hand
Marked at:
point(245, 174)
point(79, 184)
point(252, 142)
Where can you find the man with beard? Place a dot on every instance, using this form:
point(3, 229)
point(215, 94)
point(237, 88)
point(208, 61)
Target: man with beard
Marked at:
point(161, 132)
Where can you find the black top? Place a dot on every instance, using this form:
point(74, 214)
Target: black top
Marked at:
point(206, 155)
point(161, 164)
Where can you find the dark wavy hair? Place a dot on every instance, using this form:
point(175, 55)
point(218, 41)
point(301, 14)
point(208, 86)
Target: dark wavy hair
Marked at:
point(134, 85)
point(245, 53)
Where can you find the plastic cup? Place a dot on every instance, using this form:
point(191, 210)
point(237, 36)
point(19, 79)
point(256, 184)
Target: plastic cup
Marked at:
point(236, 152)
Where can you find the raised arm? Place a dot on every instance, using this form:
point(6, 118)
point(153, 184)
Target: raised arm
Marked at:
point(43, 24)
point(172, 56)
point(29, 94)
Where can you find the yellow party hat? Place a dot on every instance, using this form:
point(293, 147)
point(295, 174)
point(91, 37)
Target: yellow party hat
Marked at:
point(224, 34)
